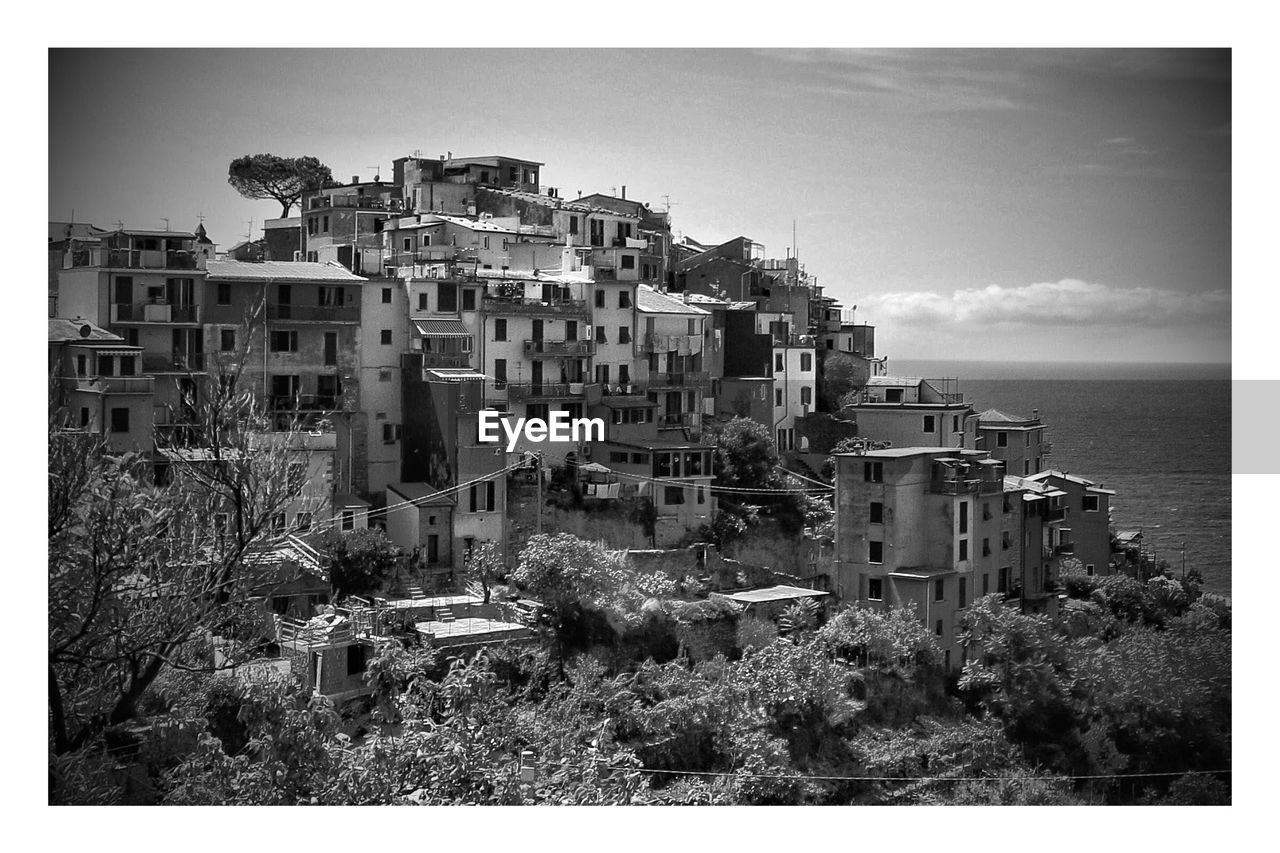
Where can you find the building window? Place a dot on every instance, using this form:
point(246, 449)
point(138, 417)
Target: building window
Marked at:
point(624, 299)
point(348, 520)
point(386, 296)
point(964, 516)
point(469, 299)
point(617, 457)
point(119, 420)
point(390, 433)
point(357, 658)
point(940, 589)
point(777, 397)
point(986, 584)
point(875, 589)
point(873, 472)
point(1002, 584)
point(278, 522)
point(1090, 503)
point(600, 299)
point(386, 337)
point(640, 458)
point(1002, 439)
point(963, 593)
point(500, 373)
point(986, 547)
point(624, 334)
point(806, 396)
point(876, 513)
point(573, 225)
point(778, 364)
point(1005, 541)
point(447, 298)
point(499, 330)
point(628, 262)
point(422, 302)
point(324, 226)
point(964, 549)
point(929, 423)
point(673, 495)
point(84, 416)
point(601, 337)
point(332, 297)
point(1088, 569)
point(284, 341)
point(937, 628)
point(955, 423)
point(228, 343)
point(384, 374)
point(806, 362)
point(224, 293)
point(875, 551)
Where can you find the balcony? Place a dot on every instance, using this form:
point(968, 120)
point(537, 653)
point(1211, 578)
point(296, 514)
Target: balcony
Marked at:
point(178, 362)
point(683, 344)
point(116, 384)
point(679, 419)
point(1064, 548)
point(135, 259)
point(517, 391)
point(560, 349)
point(154, 312)
point(680, 380)
point(360, 202)
point(521, 306)
point(445, 359)
point(313, 313)
point(1059, 514)
point(955, 486)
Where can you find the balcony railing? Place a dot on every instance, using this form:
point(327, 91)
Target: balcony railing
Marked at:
point(679, 419)
point(1065, 548)
point(954, 486)
point(177, 362)
point(356, 201)
point(531, 390)
point(689, 344)
point(680, 380)
point(1058, 514)
point(135, 259)
point(154, 312)
point(313, 313)
point(116, 384)
point(445, 359)
point(559, 349)
point(519, 305)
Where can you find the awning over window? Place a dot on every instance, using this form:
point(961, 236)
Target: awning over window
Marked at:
point(122, 352)
point(441, 328)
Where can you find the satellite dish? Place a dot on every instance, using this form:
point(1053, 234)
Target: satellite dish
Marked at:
point(86, 330)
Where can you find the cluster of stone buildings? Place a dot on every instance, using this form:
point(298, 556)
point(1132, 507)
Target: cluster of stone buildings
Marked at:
point(388, 314)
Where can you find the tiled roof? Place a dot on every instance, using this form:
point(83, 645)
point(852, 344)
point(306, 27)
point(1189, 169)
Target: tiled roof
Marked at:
point(71, 330)
point(474, 224)
point(280, 271)
point(421, 494)
point(651, 301)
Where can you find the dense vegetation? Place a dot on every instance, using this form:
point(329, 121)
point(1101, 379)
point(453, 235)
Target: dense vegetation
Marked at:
point(637, 692)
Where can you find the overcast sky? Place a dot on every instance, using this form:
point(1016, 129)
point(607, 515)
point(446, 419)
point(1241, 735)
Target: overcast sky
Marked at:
point(1038, 205)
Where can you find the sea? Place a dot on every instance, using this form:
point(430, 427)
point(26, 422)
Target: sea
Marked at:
point(1158, 434)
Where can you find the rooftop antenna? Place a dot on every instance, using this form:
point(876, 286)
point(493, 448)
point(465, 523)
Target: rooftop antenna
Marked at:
point(377, 173)
point(249, 237)
point(200, 216)
point(119, 224)
point(165, 220)
point(667, 198)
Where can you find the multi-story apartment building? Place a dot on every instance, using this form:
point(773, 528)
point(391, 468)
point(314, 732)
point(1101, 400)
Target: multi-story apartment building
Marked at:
point(913, 412)
point(672, 335)
point(1017, 441)
point(148, 287)
point(1087, 521)
point(1032, 539)
point(97, 385)
point(344, 223)
point(918, 527)
point(386, 335)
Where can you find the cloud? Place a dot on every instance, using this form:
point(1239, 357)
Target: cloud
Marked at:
point(1069, 302)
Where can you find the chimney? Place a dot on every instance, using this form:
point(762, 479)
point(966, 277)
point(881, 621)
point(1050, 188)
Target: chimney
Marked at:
point(624, 191)
point(355, 179)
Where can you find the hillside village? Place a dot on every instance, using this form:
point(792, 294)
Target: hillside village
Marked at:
point(760, 458)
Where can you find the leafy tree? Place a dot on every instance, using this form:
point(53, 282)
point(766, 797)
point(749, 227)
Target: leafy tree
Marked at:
point(745, 456)
point(841, 376)
point(485, 565)
point(285, 179)
point(892, 639)
point(138, 572)
point(361, 561)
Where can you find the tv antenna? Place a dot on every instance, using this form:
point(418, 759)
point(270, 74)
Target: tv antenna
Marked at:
point(165, 220)
point(200, 216)
point(377, 173)
point(667, 198)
